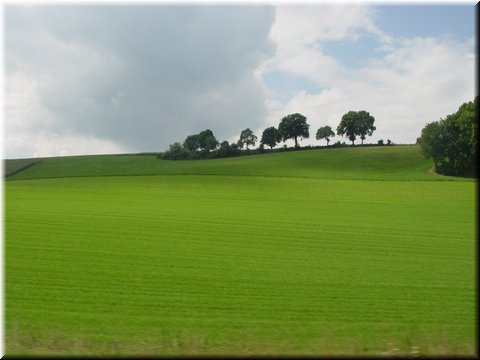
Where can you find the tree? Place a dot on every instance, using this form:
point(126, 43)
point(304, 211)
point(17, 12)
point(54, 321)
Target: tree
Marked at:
point(348, 126)
point(207, 141)
point(325, 132)
point(247, 138)
point(191, 143)
point(431, 142)
point(452, 142)
point(356, 123)
point(223, 150)
point(460, 141)
point(294, 126)
point(175, 152)
point(271, 137)
point(365, 124)
point(233, 149)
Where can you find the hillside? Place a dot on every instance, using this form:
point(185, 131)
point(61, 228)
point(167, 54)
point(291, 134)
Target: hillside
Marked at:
point(403, 162)
point(289, 253)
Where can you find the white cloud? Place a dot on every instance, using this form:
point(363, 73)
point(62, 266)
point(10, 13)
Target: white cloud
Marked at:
point(157, 74)
point(413, 82)
point(137, 77)
point(299, 31)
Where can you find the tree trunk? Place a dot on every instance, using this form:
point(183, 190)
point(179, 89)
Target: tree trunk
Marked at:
point(296, 143)
point(327, 141)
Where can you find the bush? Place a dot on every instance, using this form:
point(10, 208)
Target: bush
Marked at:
point(176, 152)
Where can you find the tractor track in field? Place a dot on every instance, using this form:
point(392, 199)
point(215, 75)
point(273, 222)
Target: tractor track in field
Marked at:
point(22, 168)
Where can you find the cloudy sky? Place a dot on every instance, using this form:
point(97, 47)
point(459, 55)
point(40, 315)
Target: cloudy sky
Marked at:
point(93, 78)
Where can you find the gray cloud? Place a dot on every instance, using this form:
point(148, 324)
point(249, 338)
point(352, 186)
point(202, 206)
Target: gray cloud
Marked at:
point(139, 76)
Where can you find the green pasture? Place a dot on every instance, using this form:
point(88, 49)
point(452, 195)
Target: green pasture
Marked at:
point(309, 252)
point(12, 167)
point(362, 163)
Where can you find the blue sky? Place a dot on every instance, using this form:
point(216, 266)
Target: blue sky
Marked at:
point(113, 79)
point(436, 20)
point(400, 21)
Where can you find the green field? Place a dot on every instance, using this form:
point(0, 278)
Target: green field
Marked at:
point(339, 251)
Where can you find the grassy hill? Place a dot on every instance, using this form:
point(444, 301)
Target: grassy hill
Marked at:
point(366, 163)
point(292, 253)
point(11, 167)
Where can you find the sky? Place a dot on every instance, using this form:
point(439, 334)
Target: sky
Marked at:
point(99, 78)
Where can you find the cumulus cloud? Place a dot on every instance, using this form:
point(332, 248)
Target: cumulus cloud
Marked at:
point(131, 78)
point(406, 83)
point(299, 32)
point(98, 79)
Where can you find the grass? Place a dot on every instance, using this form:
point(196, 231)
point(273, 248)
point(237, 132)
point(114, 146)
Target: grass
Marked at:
point(367, 163)
point(11, 167)
point(250, 259)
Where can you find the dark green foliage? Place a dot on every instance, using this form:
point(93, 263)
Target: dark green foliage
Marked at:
point(234, 151)
point(452, 142)
point(365, 124)
point(223, 150)
point(226, 150)
point(176, 152)
point(294, 126)
point(271, 136)
point(348, 127)
point(192, 143)
point(247, 138)
point(207, 140)
point(380, 142)
point(356, 123)
point(326, 133)
point(431, 142)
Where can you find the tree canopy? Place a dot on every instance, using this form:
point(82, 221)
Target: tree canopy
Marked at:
point(452, 142)
point(207, 140)
point(247, 138)
point(325, 132)
point(271, 136)
point(192, 143)
point(365, 124)
point(294, 126)
point(175, 152)
point(356, 123)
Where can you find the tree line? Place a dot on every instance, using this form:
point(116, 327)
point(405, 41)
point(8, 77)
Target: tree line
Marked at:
point(291, 127)
point(452, 142)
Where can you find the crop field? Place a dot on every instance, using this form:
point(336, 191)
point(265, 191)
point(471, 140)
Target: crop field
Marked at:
point(342, 251)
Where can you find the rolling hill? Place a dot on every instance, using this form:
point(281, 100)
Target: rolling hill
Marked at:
point(362, 163)
point(347, 251)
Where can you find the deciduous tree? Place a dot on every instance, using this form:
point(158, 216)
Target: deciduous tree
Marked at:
point(325, 132)
point(271, 137)
point(294, 126)
point(356, 123)
point(452, 142)
point(431, 142)
point(192, 143)
point(365, 124)
point(207, 140)
point(247, 137)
